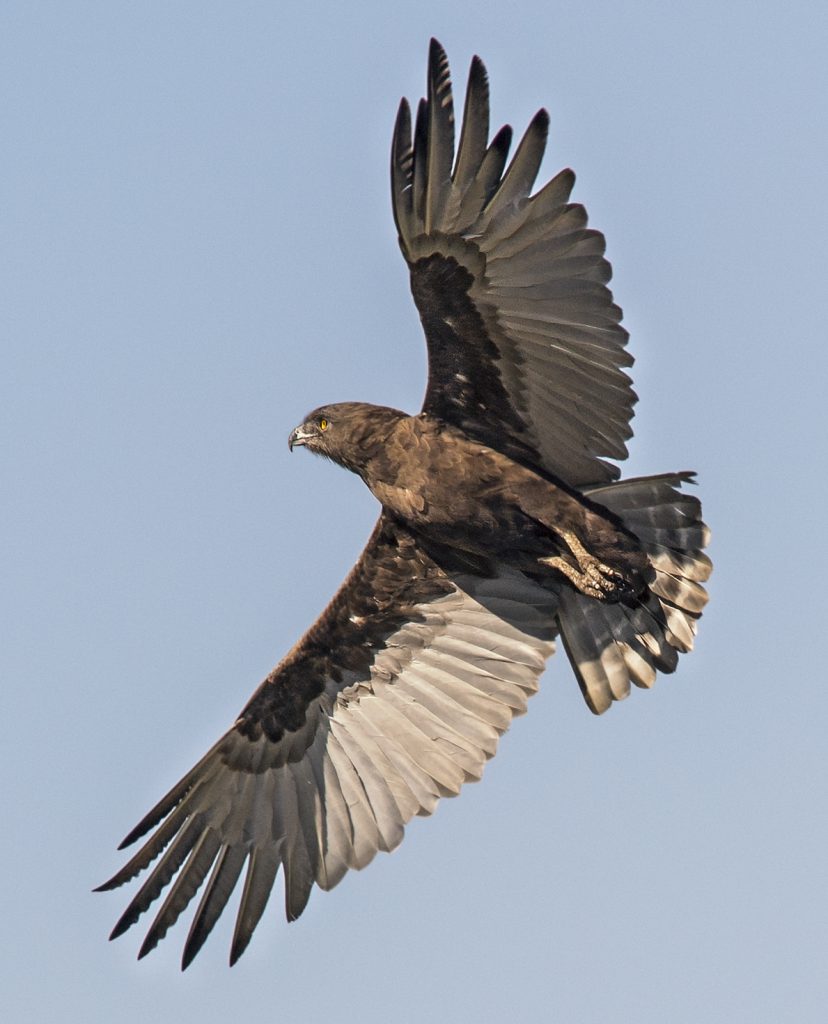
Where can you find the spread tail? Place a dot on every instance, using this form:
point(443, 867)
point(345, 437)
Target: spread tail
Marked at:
point(611, 646)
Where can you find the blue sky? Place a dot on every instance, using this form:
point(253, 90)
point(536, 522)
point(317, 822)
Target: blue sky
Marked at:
point(197, 249)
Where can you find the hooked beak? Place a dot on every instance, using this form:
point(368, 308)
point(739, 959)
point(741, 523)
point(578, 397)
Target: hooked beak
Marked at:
point(299, 436)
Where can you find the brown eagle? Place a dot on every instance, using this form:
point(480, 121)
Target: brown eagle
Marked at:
point(502, 526)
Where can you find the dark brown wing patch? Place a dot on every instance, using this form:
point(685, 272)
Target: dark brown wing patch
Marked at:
point(389, 580)
point(462, 356)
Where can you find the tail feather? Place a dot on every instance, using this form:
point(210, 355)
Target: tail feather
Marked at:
point(611, 646)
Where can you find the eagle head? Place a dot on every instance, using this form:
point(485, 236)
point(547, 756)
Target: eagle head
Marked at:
point(349, 433)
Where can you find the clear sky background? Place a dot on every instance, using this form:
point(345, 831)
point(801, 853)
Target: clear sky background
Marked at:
point(197, 249)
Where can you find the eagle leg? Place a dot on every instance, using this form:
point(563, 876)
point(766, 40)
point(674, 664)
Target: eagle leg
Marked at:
point(593, 578)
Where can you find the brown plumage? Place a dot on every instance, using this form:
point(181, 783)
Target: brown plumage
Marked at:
point(502, 525)
point(450, 489)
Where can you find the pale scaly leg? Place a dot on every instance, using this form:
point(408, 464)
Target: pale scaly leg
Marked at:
point(594, 578)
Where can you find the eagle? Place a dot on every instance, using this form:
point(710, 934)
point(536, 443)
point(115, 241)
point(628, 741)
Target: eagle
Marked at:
point(503, 526)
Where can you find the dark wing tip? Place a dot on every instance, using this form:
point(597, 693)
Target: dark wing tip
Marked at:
point(166, 803)
point(403, 114)
point(194, 943)
point(421, 133)
point(436, 53)
point(478, 82)
point(123, 924)
point(240, 944)
point(143, 826)
point(502, 140)
point(151, 819)
point(402, 157)
point(438, 70)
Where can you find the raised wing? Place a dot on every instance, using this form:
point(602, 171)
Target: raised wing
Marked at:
point(394, 698)
point(525, 346)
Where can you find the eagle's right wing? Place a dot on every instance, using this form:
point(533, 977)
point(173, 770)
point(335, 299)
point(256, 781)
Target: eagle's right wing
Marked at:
point(525, 347)
point(394, 698)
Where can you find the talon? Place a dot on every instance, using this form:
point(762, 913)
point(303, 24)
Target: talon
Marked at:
point(598, 571)
point(591, 586)
point(592, 578)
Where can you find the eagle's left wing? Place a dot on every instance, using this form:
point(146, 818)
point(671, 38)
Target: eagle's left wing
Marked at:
point(394, 698)
point(525, 347)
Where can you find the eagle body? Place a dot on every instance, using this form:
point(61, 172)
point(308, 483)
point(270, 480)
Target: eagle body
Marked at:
point(504, 527)
point(450, 489)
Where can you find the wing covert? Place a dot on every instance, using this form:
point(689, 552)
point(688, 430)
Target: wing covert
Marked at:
point(393, 699)
point(524, 341)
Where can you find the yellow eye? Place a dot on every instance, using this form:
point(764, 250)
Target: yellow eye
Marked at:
point(323, 424)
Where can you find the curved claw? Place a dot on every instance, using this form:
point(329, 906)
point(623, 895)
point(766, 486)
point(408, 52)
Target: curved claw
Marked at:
point(593, 578)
